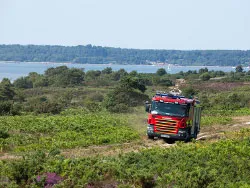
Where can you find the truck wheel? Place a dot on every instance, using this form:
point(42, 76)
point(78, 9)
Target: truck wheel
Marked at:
point(188, 138)
point(151, 137)
point(195, 133)
point(169, 140)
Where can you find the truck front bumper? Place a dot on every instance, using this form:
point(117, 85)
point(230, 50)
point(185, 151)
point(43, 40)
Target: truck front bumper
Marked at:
point(181, 135)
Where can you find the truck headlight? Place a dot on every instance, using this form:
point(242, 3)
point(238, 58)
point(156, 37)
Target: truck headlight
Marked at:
point(150, 127)
point(182, 133)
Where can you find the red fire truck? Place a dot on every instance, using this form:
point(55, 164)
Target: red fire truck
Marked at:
point(173, 117)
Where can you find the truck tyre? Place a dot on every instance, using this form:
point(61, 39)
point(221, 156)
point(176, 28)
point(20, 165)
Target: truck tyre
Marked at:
point(151, 137)
point(188, 137)
point(169, 140)
point(195, 132)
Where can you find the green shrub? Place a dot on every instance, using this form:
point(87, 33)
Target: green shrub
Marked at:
point(5, 107)
point(93, 106)
point(119, 108)
point(96, 97)
point(165, 82)
point(23, 82)
point(74, 111)
point(205, 76)
point(161, 72)
point(120, 100)
point(189, 91)
point(221, 164)
point(41, 105)
point(215, 120)
point(29, 133)
point(4, 134)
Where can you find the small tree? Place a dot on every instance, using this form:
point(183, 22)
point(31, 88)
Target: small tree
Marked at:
point(23, 82)
point(165, 82)
point(205, 76)
point(201, 71)
point(133, 83)
point(161, 72)
point(6, 90)
point(5, 107)
point(188, 91)
point(239, 68)
point(133, 73)
point(128, 93)
point(92, 74)
point(107, 70)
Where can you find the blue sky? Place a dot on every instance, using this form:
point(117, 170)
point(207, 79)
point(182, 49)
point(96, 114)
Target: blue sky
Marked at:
point(145, 24)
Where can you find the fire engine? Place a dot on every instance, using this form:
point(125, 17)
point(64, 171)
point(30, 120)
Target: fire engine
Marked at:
point(172, 116)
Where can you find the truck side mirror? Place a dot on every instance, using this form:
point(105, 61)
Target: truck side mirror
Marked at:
point(147, 106)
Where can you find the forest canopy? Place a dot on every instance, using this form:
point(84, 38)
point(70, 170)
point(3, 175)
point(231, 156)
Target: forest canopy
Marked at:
point(103, 55)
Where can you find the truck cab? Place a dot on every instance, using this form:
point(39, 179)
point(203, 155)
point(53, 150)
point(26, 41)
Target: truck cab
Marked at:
point(173, 117)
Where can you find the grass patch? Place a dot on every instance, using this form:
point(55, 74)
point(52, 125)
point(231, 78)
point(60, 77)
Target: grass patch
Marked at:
point(215, 120)
point(28, 133)
point(238, 112)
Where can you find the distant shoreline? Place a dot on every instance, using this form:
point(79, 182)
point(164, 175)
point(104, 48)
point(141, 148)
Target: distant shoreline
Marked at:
point(14, 69)
point(96, 64)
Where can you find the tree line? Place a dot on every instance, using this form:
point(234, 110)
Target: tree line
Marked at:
point(102, 55)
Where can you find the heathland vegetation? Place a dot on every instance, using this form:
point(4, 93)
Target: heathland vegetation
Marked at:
point(103, 55)
point(44, 117)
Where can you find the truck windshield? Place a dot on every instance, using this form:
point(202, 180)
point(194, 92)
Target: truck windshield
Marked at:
point(169, 109)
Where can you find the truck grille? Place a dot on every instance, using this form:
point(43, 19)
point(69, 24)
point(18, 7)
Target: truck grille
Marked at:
point(165, 126)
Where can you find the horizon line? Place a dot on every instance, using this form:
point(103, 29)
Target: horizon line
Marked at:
point(61, 45)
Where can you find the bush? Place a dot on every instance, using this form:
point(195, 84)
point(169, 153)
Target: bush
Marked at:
point(29, 133)
point(43, 105)
point(205, 101)
point(221, 164)
point(74, 111)
point(205, 76)
point(41, 82)
point(118, 108)
point(4, 134)
point(161, 72)
point(188, 91)
point(165, 82)
point(239, 68)
point(93, 106)
point(129, 93)
point(23, 82)
point(230, 101)
point(120, 100)
point(5, 107)
point(96, 97)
